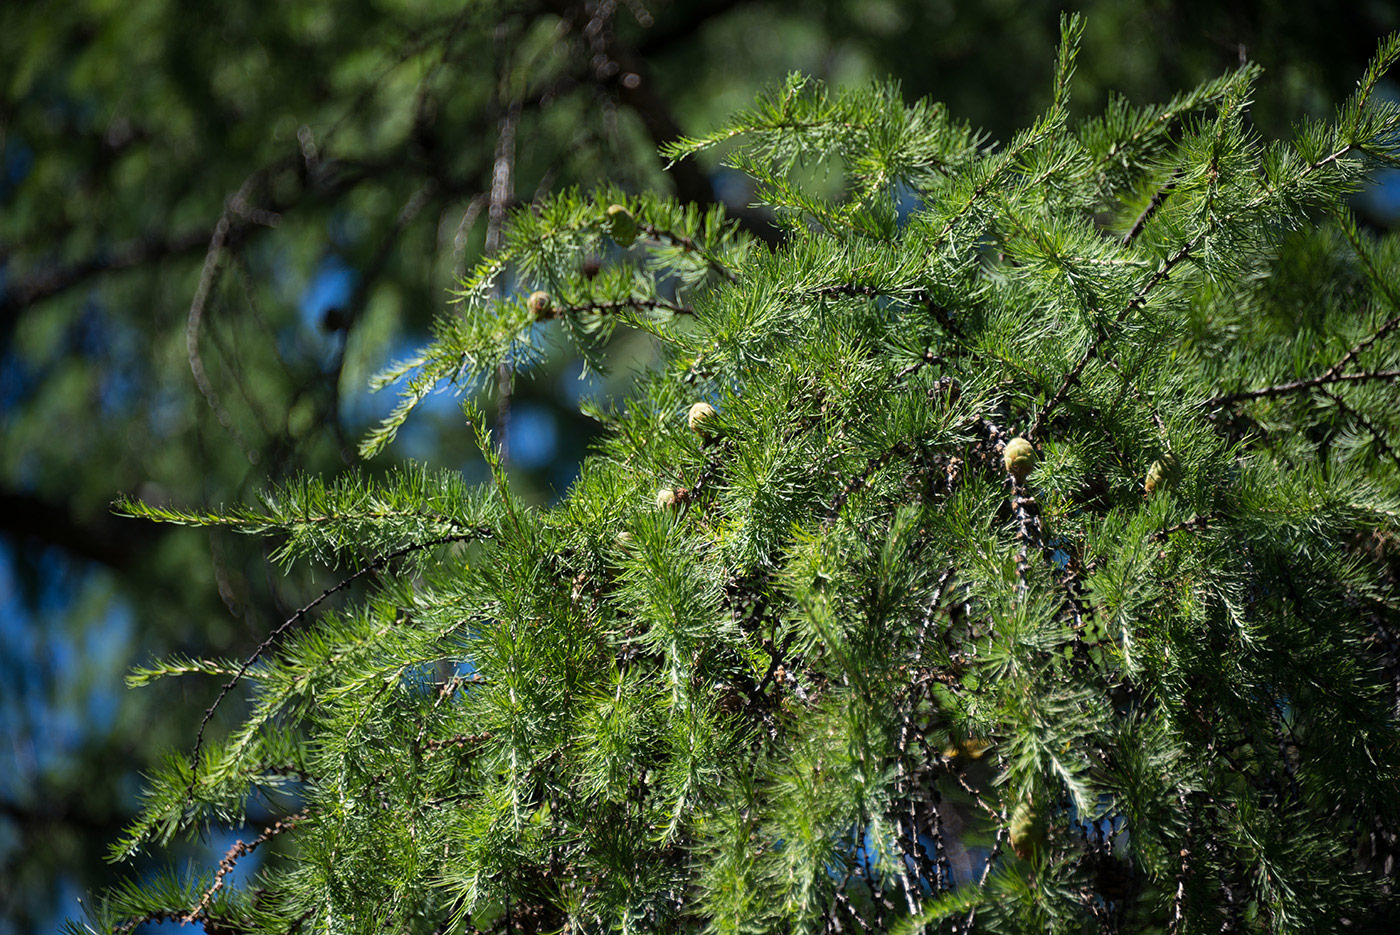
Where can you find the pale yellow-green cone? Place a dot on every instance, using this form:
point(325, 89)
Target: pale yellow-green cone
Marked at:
point(1019, 458)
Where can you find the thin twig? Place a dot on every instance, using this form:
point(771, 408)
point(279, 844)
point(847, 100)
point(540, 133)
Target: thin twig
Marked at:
point(372, 568)
point(239, 850)
point(689, 246)
point(1283, 389)
point(986, 873)
point(1158, 198)
point(1364, 422)
point(1138, 301)
point(872, 465)
point(633, 304)
point(1364, 343)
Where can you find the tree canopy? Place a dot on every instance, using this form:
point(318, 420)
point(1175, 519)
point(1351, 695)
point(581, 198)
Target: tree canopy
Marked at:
point(1009, 543)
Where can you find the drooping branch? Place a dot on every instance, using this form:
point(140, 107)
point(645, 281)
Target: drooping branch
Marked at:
point(372, 568)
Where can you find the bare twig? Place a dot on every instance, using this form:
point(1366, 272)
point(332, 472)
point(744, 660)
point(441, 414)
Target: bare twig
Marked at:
point(632, 304)
point(239, 850)
point(502, 193)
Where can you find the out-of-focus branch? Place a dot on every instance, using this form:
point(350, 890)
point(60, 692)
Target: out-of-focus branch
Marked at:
point(334, 178)
point(665, 33)
point(623, 71)
point(103, 539)
point(23, 293)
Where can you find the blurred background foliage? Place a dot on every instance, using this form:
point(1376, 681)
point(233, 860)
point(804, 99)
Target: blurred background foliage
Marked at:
point(346, 161)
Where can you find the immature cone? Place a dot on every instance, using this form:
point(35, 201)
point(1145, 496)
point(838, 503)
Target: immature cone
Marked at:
point(541, 305)
point(1027, 831)
point(1019, 458)
point(621, 225)
point(668, 499)
point(973, 748)
point(1162, 473)
point(697, 416)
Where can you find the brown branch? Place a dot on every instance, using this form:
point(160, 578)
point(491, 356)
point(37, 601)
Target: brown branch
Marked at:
point(856, 289)
point(1197, 523)
point(334, 177)
point(986, 873)
point(1030, 534)
point(1158, 198)
point(1283, 389)
point(501, 198)
point(926, 358)
point(448, 688)
point(359, 299)
point(459, 740)
point(1179, 899)
point(239, 850)
point(1365, 423)
point(617, 306)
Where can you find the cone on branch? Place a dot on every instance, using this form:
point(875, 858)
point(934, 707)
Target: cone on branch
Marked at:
point(1162, 473)
point(621, 225)
point(1019, 458)
point(698, 415)
point(541, 305)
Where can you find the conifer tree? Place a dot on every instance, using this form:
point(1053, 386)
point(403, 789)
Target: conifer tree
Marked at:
point(1012, 549)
